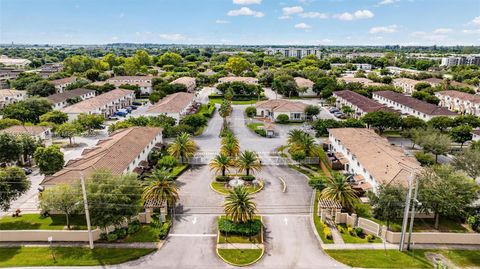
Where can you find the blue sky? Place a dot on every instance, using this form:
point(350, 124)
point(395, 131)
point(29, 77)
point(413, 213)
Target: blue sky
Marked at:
point(254, 22)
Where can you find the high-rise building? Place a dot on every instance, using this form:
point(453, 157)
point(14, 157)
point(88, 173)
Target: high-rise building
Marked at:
point(461, 60)
point(294, 52)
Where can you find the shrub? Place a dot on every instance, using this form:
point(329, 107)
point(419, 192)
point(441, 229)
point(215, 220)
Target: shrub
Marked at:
point(167, 161)
point(112, 237)
point(210, 111)
point(370, 237)
point(248, 178)
point(103, 236)
point(282, 118)
point(351, 231)
point(121, 233)
point(474, 222)
point(164, 230)
point(425, 159)
point(261, 132)
point(222, 178)
point(340, 229)
point(327, 233)
point(358, 231)
point(249, 228)
point(251, 111)
point(133, 227)
point(363, 210)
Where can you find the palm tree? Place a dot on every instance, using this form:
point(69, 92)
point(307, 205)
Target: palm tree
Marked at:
point(161, 189)
point(338, 189)
point(302, 141)
point(230, 145)
point(294, 136)
point(182, 147)
point(221, 163)
point(249, 161)
point(239, 205)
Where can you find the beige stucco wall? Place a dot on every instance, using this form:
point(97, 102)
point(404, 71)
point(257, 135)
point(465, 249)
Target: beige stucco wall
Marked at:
point(437, 238)
point(42, 235)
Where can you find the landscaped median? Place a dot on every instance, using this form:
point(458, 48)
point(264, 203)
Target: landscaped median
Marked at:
point(68, 256)
point(240, 244)
point(222, 187)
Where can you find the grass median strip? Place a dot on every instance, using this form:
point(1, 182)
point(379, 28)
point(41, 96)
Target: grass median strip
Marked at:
point(380, 258)
point(67, 256)
point(240, 257)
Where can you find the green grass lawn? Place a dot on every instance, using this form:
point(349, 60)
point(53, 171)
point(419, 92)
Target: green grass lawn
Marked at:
point(234, 102)
point(462, 258)
point(240, 256)
point(220, 187)
point(380, 258)
point(37, 222)
point(67, 256)
point(392, 134)
point(427, 225)
point(348, 238)
point(319, 225)
point(147, 233)
point(257, 239)
point(178, 170)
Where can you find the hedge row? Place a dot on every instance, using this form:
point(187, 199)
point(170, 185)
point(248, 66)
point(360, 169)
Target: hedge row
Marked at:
point(249, 228)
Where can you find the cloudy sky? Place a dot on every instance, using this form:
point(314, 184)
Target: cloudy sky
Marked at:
point(251, 22)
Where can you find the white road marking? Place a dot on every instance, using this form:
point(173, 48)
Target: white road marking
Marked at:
point(193, 235)
point(194, 220)
point(285, 220)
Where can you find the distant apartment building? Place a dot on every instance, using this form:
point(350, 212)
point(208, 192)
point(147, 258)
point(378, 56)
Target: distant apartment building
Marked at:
point(189, 82)
point(7, 74)
point(360, 104)
point(460, 60)
point(247, 80)
point(398, 70)
point(174, 105)
point(40, 132)
point(294, 52)
point(462, 102)
point(365, 67)
point(124, 151)
point(410, 106)
point(11, 96)
point(105, 104)
point(305, 86)
point(369, 159)
point(144, 82)
point(63, 83)
point(407, 84)
point(61, 100)
point(438, 81)
point(7, 61)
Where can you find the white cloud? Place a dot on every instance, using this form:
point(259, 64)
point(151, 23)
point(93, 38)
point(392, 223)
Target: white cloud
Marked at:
point(325, 41)
point(383, 29)
point(173, 37)
point(245, 11)
point(292, 10)
point(302, 26)
point(222, 21)
point(471, 31)
point(247, 2)
point(388, 2)
point(442, 31)
point(475, 21)
point(314, 15)
point(357, 15)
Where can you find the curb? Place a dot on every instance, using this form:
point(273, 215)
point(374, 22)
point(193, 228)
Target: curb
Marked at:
point(240, 265)
point(284, 184)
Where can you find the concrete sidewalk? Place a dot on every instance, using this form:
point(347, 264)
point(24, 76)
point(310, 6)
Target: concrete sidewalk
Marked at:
point(83, 244)
point(239, 246)
point(396, 246)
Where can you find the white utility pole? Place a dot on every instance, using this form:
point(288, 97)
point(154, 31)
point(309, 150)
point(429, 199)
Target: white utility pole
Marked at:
point(412, 216)
point(87, 213)
point(405, 213)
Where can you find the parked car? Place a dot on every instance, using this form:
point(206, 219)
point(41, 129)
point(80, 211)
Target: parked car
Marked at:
point(27, 170)
point(338, 114)
point(333, 110)
point(113, 118)
point(129, 109)
point(134, 107)
point(121, 113)
point(136, 103)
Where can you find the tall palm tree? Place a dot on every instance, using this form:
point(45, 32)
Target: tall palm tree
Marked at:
point(182, 147)
point(338, 189)
point(230, 145)
point(221, 163)
point(294, 136)
point(239, 205)
point(302, 141)
point(247, 161)
point(161, 189)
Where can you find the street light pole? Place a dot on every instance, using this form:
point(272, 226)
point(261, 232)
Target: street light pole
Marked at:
point(87, 213)
point(405, 213)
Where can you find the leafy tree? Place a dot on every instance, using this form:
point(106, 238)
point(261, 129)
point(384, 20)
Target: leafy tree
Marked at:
point(347, 110)
point(285, 85)
point(248, 161)
point(28, 110)
point(445, 192)
point(64, 198)
point(182, 147)
point(41, 88)
point(221, 163)
point(195, 120)
point(237, 65)
point(469, 161)
point(160, 190)
point(325, 86)
point(55, 116)
point(312, 111)
point(388, 203)
point(92, 74)
point(239, 205)
point(470, 120)
point(68, 130)
point(435, 143)
point(29, 145)
point(412, 122)
point(170, 58)
point(113, 199)
point(441, 123)
point(49, 159)
point(78, 64)
point(461, 134)
point(5, 123)
point(338, 189)
point(13, 183)
point(90, 122)
point(167, 162)
point(24, 80)
point(382, 120)
point(317, 183)
point(251, 111)
point(10, 148)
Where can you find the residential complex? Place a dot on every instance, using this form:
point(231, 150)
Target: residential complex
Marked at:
point(365, 67)
point(410, 106)
point(11, 96)
point(295, 52)
point(40, 132)
point(5, 60)
point(105, 104)
point(272, 108)
point(398, 70)
point(247, 80)
point(174, 105)
point(123, 151)
point(407, 84)
point(369, 158)
point(462, 102)
point(461, 60)
point(63, 83)
point(189, 82)
point(61, 100)
point(144, 82)
point(360, 104)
